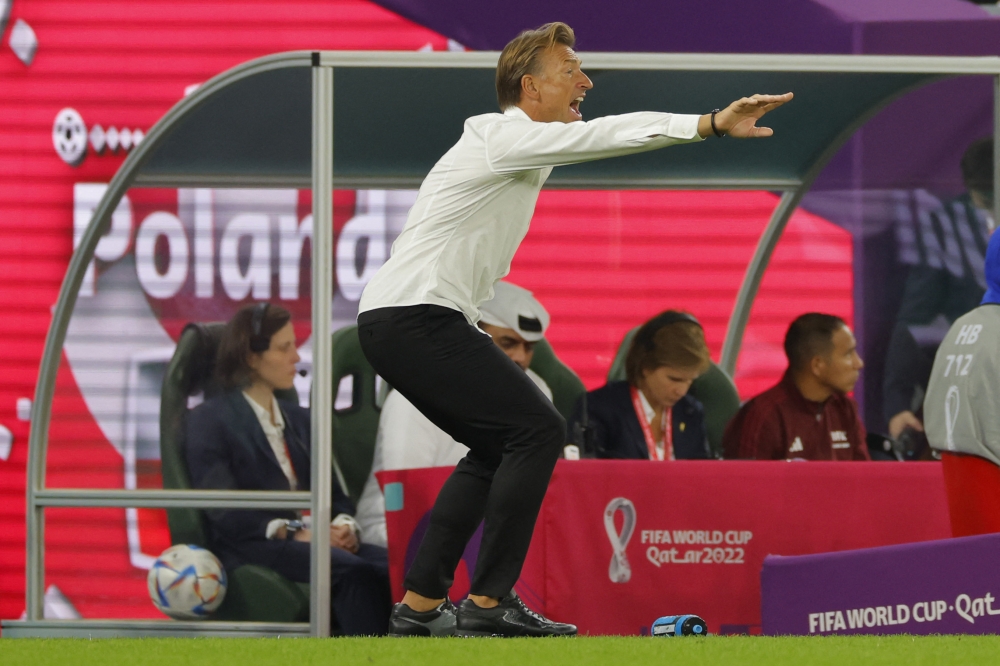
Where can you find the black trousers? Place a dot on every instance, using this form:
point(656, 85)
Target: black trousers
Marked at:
point(360, 594)
point(454, 374)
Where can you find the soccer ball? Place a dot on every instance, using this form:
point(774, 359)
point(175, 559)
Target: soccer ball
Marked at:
point(187, 582)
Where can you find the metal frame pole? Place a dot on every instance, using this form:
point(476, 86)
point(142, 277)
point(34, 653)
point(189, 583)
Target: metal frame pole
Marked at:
point(35, 561)
point(755, 272)
point(163, 499)
point(322, 313)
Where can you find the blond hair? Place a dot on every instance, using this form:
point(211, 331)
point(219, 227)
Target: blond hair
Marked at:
point(521, 57)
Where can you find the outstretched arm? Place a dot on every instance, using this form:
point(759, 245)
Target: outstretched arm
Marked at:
point(514, 146)
point(739, 119)
point(517, 146)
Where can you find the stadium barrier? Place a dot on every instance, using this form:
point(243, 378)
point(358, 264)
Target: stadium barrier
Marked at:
point(619, 543)
point(937, 587)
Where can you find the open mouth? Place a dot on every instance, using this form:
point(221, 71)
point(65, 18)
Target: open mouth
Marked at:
point(574, 107)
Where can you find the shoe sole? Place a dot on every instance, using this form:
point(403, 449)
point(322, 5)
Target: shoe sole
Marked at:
point(465, 633)
point(395, 634)
point(468, 633)
point(392, 634)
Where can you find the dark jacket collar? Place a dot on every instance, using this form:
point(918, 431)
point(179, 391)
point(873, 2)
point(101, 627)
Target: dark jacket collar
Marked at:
point(243, 420)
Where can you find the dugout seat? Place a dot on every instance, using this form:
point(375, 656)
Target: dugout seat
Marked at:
point(355, 424)
point(254, 593)
point(565, 384)
point(715, 390)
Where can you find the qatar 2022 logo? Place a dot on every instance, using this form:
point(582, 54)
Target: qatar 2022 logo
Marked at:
point(619, 571)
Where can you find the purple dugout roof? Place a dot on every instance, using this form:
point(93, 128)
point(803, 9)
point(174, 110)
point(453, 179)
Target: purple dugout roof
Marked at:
point(915, 142)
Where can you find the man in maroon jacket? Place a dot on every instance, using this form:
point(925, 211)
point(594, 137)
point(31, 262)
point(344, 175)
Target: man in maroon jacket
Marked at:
point(808, 415)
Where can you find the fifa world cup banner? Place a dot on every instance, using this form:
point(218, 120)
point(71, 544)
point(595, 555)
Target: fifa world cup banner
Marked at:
point(949, 586)
point(619, 543)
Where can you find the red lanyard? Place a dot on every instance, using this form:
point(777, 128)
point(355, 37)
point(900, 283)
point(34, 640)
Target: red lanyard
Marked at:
point(668, 430)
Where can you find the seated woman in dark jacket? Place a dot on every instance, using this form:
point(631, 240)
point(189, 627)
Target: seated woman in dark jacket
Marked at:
point(246, 439)
point(650, 416)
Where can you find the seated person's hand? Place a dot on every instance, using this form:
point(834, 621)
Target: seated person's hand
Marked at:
point(303, 534)
point(343, 537)
point(902, 421)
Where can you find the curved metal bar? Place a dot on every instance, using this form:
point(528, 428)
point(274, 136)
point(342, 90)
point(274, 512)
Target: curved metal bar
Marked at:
point(755, 273)
point(776, 227)
point(41, 408)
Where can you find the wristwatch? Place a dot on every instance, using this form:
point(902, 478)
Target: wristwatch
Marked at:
point(715, 130)
point(291, 527)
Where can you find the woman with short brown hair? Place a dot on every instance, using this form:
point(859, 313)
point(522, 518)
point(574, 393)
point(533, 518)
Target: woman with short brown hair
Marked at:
point(650, 415)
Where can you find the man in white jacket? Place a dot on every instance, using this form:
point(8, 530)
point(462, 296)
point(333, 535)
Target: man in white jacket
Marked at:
point(417, 321)
point(407, 439)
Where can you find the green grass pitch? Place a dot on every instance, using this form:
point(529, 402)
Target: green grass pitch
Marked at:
point(582, 651)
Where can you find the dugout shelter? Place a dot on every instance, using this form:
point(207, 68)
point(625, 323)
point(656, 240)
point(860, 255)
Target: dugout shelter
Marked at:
point(380, 119)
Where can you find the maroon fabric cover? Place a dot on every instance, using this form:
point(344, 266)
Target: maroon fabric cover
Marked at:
point(781, 424)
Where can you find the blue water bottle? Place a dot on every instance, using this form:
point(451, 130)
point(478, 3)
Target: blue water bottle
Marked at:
point(679, 625)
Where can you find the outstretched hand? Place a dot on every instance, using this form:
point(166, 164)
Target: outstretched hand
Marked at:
point(739, 119)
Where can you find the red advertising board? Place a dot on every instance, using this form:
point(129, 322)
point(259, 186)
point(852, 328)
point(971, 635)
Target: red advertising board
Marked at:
point(619, 543)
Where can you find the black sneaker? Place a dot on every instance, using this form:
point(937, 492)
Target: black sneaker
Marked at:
point(510, 618)
point(439, 621)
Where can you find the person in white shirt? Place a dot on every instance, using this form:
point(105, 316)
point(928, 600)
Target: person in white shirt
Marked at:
point(407, 439)
point(417, 320)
